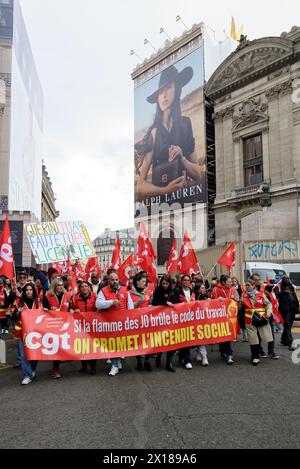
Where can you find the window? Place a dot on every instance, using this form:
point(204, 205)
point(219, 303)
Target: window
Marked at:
point(253, 161)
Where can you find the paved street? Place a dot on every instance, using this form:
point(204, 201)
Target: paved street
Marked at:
point(215, 407)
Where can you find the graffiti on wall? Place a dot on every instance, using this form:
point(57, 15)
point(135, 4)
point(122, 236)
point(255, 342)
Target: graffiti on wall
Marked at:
point(273, 250)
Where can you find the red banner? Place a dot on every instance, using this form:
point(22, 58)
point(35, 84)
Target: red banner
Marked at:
point(50, 335)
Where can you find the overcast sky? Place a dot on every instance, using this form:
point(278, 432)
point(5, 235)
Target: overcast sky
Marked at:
point(82, 50)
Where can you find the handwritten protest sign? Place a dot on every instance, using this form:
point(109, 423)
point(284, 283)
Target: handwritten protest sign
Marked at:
point(56, 241)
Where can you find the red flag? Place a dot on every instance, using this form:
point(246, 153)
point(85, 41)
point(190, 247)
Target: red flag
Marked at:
point(116, 260)
point(268, 281)
point(275, 307)
point(172, 265)
point(125, 269)
point(6, 253)
point(71, 273)
point(105, 269)
point(228, 258)
point(188, 262)
point(92, 266)
point(146, 255)
point(56, 266)
point(78, 270)
point(144, 241)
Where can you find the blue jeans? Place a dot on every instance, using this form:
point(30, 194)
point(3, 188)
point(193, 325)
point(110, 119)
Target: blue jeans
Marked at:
point(27, 367)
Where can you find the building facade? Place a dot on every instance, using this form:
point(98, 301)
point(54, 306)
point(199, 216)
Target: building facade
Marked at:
point(256, 98)
point(172, 197)
point(21, 129)
point(48, 212)
point(105, 243)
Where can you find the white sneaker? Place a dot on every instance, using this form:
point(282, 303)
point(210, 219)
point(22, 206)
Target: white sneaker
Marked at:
point(114, 371)
point(108, 362)
point(255, 362)
point(26, 381)
point(120, 366)
point(188, 366)
point(6, 332)
point(33, 374)
point(205, 361)
point(198, 357)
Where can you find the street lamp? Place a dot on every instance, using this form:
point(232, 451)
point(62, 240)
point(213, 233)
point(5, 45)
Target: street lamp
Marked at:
point(265, 199)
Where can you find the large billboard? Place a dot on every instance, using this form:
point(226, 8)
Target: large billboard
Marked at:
point(25, 171)
point(6, 21)
point(170, 148)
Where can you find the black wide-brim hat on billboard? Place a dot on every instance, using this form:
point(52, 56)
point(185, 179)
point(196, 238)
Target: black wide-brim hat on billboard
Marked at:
point(171, 75)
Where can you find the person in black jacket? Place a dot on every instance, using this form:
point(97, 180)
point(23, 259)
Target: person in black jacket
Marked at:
point(288, 308)
point(165, 295)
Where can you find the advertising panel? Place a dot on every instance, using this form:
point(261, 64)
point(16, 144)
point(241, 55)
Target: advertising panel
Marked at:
point(169, 152)
point(25, 172)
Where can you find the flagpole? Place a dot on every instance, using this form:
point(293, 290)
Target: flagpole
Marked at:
point(210, 272)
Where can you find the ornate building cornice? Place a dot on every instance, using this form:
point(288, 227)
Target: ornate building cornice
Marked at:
point(254, 60)
point(281, 89)
point(250, 112)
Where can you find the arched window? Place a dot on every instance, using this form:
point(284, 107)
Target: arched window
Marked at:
point(164, 245)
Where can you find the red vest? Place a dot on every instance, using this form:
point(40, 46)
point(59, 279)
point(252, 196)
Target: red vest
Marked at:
point(259, 306)
point(53, 302)
point(121, 295)
point(17, 334)
point(183, 299)
point(147, 298)
point(84, 306)
point(222, 292)
point(2, 300)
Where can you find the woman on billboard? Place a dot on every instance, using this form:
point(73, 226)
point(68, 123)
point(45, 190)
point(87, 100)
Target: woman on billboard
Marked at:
point(169, 145)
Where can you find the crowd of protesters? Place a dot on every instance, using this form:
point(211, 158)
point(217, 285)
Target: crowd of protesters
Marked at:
point(256, 317)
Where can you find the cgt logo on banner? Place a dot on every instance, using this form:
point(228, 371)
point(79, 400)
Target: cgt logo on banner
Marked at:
point(87, 336)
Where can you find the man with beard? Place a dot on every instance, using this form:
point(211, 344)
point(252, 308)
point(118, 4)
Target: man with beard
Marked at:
point(111, 298)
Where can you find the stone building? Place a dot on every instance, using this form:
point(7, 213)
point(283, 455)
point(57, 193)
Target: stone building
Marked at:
point(21, 130)
point(105, 244)
point(256, 97)
point(49, 212)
